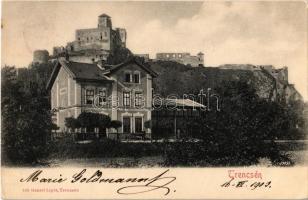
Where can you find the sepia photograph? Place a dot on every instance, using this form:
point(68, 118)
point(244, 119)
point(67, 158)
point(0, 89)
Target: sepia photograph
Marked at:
point(160, 84)
point(154, 96)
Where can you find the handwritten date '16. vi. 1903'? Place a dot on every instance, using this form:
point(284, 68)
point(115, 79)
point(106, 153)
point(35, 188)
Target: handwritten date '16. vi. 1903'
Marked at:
point(246, 180)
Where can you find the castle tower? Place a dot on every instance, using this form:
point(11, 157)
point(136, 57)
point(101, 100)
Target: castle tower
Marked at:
point(104, 21)
point(283, 74)
point(122, 34)
point(40, 56)
point(201, 58)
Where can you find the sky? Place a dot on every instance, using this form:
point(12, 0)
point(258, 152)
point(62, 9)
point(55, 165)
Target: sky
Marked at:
point(227, 32)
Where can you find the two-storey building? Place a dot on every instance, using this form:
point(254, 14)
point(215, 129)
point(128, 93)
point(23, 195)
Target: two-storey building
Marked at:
point(123, 92)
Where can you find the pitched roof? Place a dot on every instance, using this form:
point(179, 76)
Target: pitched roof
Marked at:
point(79, 71)
point(90, 72)
point(179, 103)
point(85, 71)
point(130, 61)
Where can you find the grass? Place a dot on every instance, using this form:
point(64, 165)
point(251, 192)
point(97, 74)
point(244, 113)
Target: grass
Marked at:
point(111, 153)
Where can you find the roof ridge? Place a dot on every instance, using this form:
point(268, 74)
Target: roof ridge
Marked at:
point(104, 15)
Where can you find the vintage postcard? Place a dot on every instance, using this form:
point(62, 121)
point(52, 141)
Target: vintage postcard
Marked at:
point(154, 100)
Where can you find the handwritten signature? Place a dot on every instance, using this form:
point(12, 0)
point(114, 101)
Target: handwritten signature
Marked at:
point(156, 183)
point(160, 182)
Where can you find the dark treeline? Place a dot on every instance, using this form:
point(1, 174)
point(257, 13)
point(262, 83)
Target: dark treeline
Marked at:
point(26, 117)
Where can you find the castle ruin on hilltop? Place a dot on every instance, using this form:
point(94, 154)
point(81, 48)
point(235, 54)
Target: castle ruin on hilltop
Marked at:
point(183, 58)
point(93, 45)
point(90, 45)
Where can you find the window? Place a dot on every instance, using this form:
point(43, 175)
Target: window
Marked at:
point(127, 77)
point(136, 78)
point(138, 99)
point(138, 124)
point(126, 124)
point(102, 97)
point(126, 98)
point(89, 96)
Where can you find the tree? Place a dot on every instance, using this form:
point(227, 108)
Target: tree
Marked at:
point(240, 133)
point(71, 122)
point(148, 124)
point(115, 124)
point(93, 120)
point(163, 127)
point(54, 127)
point(26, 120)
point(246, 126)
point(119, 55)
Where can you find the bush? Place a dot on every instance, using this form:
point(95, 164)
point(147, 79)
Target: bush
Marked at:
point(91, 120)
point(71, 122)
point(184, 154)
point(66, 149)
point(115, 124)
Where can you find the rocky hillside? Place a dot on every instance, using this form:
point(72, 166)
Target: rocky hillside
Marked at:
point(175, 78)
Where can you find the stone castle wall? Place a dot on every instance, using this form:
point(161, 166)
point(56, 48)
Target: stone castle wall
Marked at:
point(99, 38)
point(183, 58)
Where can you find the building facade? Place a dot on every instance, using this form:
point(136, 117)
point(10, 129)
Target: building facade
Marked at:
point(123, 92)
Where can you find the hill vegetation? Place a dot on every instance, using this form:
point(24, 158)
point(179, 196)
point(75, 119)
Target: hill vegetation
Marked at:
point(175, 78)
